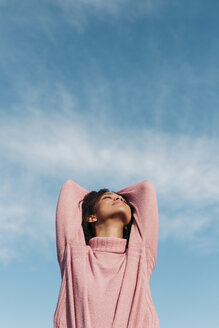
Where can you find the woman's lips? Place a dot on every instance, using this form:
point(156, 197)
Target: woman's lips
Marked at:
point(118, 201)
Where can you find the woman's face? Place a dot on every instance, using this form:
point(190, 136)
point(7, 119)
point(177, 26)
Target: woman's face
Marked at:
point(113, 205)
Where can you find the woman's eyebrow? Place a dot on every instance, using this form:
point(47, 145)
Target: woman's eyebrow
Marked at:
point(108, 193)
point(111, 193)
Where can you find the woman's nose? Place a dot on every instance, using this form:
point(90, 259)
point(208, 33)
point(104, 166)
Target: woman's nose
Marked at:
point(117, 197)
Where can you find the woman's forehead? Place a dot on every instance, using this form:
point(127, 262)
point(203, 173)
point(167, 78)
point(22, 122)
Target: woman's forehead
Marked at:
point(110, 193)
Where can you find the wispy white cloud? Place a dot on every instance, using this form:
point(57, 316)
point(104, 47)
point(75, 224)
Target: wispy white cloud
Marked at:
point(7, 254)
point(108, 6)
point(78, 12)
point(36, 145)
point(26, 216)
point(111, 6)
point(197, 230)
point(12, 224)
point(60, 141)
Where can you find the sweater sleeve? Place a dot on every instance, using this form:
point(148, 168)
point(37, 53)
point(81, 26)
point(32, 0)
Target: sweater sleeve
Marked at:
point(68, 216)
point(143, 197)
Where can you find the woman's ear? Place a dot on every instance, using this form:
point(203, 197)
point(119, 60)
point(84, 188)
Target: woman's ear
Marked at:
point(91, 219)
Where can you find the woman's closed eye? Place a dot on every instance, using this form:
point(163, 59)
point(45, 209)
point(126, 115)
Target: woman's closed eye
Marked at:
point(106, 197)
point(111, 197)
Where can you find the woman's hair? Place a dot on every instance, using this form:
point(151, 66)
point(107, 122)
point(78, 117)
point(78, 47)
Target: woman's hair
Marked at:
point(88, 208)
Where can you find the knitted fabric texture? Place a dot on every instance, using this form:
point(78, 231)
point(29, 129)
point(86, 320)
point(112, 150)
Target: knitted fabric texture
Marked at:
point(105, 285)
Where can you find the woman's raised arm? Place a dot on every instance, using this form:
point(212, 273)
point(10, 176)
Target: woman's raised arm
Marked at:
point(143, 197)
point(68, 215)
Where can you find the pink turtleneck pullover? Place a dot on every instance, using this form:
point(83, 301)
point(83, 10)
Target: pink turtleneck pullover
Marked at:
point(104, 284)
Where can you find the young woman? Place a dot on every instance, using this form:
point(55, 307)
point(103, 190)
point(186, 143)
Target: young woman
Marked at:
point(107, 250)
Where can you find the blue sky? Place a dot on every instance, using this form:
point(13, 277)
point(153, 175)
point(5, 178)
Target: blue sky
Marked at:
point(109, 94)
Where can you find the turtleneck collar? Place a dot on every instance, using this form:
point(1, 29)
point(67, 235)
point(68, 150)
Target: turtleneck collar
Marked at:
point(108, 244)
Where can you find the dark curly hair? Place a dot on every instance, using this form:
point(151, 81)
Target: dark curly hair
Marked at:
point(88, 208)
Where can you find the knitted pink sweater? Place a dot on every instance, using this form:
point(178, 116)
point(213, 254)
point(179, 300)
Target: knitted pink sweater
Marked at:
point(105, 285)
